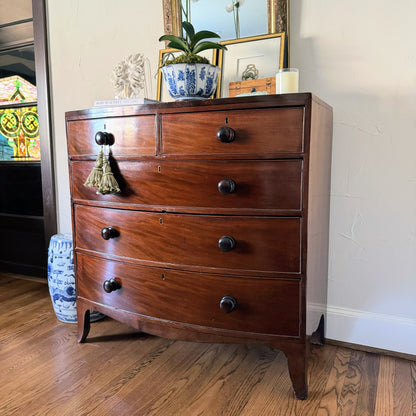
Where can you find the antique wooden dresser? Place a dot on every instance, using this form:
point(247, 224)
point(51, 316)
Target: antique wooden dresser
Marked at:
point(220, 230)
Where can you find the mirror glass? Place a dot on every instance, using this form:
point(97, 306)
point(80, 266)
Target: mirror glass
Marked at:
point(226, 17)
point(230, 19)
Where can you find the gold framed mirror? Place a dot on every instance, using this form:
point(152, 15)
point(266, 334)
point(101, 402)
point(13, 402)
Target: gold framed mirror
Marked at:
point(277, 17)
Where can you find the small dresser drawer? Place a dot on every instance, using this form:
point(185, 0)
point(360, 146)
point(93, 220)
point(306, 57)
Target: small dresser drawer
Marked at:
point(259, 131)
point(133, 136)
point(250, 186)
point(268, 306)
point(233, 243)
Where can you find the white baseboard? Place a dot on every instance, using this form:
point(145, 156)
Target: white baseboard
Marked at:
point(314, 313)
point(375, 330)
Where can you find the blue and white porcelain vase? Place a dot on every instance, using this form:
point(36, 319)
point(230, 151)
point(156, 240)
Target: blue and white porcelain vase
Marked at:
point(190, 81)
point(61, 279)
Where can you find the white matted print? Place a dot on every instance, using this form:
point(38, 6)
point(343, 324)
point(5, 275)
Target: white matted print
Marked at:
point(265, 52)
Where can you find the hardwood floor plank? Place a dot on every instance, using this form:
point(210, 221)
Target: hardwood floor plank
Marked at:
point(44, 371)
point(385, 390)
point(413, 382)
point(112, 389)
point(402, 388)
point(279, 399)
point(143, 381)
point(20, 295)
point(328, 405)
point(231, 385)
point(366, 401)
point(198, 385)
point(84, 384)
point(267, 397)
point(60, 372)
point(321, 361)
point(219, 394)
point(347, 403)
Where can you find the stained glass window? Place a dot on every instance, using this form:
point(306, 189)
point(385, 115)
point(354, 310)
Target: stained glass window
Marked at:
point(19, 127)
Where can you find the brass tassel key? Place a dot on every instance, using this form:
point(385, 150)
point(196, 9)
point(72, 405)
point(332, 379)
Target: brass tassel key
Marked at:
point(94, 178)
point(108, 182)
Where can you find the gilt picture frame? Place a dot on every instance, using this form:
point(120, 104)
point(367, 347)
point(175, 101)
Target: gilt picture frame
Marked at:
point(265, 53)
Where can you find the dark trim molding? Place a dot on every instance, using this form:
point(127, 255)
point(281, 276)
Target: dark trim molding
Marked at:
point(44, 112)
point(18, 104)
point(365, 348)
point(17, 22)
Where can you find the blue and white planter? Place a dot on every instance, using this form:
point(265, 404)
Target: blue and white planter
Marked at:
point(61, 279)
point(190, 81)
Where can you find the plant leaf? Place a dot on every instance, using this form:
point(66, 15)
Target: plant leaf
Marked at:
point(189, 29)
point(203, 34)
point(207, 45)
point(176, 42)
point(181, 46)
point(171, 37)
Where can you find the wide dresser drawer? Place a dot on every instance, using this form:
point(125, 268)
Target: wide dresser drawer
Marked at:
point(234, 184)
point(133, 136)
point(257, 131)
point(269, 244)
point(268, 306)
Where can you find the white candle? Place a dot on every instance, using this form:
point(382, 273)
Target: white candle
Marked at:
point(287, 81)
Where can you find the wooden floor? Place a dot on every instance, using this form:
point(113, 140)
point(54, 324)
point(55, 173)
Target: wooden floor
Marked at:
point(43, 371)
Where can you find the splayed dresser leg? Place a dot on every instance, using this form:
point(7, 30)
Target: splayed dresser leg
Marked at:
point(83, 317)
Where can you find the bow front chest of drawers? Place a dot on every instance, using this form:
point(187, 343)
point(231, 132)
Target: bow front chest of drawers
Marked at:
point(220, 230)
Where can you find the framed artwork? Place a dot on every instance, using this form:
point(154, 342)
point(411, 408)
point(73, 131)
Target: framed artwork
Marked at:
point(169, 53)
point(259, 55)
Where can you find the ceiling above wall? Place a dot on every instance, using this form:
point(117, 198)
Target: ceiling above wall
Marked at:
point(14, 27)
point(12, 11)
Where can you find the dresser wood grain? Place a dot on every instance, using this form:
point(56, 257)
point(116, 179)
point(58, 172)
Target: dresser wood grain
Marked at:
point(220, 230)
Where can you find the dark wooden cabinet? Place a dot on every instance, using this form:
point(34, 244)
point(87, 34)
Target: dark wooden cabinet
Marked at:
point(220, 230)
point(22, 220)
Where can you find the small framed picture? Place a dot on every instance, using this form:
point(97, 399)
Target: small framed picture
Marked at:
point(169, 53)
point(250, 58)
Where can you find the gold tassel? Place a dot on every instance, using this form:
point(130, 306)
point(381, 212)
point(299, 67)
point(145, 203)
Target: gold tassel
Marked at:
point(108, 182)
point(94, 178)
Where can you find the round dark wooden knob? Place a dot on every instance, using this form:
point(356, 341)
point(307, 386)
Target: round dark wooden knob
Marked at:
point(109, 232)
point(111, 285)
point(225, 134)
point(103, 138)
point(226, 243)
point(228, 304)
point(226, 186)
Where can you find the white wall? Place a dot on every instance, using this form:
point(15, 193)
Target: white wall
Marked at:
point(87, 39)
point(358, 56)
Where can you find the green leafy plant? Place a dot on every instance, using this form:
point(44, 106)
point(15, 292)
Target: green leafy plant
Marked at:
point(191, 45)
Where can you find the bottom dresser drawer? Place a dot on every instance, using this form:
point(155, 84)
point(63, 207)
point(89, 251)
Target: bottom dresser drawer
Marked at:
point(263, 305)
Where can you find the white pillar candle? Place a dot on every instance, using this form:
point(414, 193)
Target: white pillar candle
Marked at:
point(287, 81)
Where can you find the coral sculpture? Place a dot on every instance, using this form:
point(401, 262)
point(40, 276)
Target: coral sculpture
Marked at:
point(129, 77)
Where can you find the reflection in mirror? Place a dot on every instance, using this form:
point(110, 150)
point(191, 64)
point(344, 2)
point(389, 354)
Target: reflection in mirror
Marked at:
point(231, 19)
point(277, 16)
point(18, 61)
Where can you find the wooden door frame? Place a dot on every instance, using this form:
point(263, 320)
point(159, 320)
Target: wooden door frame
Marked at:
point(44, 113)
